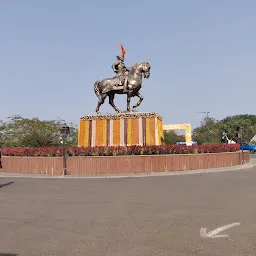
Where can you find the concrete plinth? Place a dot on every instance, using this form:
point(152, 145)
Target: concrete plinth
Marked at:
point(124, 129)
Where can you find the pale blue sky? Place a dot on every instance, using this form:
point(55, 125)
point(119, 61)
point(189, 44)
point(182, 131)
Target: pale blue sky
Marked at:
point(202, 53)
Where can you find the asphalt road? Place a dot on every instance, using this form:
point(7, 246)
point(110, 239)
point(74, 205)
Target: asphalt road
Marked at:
point(131, 216)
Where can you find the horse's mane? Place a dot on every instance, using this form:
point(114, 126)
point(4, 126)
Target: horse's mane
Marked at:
point(135, 65)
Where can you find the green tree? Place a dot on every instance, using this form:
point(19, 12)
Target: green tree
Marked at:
point(247, 122)
point(170, 137)
point(208, 132)
point(25, 132)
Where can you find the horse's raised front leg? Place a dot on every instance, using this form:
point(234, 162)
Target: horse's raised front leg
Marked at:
point(141, 99)
point(101, 100)
point(111, 102)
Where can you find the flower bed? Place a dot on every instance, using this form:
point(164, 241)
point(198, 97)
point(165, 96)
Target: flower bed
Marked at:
point(121, 151)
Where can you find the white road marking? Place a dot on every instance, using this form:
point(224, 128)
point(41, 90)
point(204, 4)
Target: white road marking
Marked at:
point(214, 233)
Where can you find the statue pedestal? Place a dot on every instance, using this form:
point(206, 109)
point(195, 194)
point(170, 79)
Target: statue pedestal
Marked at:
point(124, 129)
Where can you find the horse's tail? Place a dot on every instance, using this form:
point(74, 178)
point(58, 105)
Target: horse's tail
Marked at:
point(96, 88)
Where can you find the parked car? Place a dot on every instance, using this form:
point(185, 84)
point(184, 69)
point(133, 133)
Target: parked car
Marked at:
point(248, 146)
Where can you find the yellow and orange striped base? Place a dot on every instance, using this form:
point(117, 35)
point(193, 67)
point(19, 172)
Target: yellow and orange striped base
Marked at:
point(123, 129)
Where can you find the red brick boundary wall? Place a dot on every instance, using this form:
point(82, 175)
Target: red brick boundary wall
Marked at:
point(120, 164)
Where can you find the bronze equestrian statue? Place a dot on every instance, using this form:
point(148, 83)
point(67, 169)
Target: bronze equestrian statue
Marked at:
point(127, 81)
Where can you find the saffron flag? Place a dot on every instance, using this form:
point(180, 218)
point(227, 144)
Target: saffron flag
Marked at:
point(122, 50)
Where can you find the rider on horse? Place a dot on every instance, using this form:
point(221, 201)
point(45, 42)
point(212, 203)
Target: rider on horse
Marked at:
point(121, 70)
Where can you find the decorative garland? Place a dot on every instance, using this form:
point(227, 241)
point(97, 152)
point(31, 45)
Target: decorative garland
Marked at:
point(124, 115)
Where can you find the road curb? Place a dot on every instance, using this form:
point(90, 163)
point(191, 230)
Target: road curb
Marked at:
point(132, 175)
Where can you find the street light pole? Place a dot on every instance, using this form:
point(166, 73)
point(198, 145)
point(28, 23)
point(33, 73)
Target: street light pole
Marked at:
point(242, 148)
point(64, 158)
point(239, 134)
point(205, 112)
point(207, 116)
point(241, 138)
point(64, 133)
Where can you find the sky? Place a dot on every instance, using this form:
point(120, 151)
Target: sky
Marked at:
point(202, 55)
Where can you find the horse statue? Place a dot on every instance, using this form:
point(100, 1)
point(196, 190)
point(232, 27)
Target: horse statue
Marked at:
point(110, 86)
